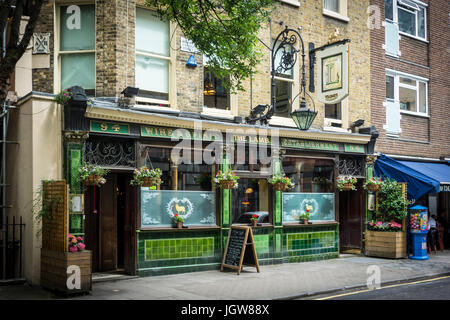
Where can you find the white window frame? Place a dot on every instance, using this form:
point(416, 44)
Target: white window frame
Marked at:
point(420, 5)
point(57, 68)
point(341, 15)
point(230, 114)
point(154, 104)
point(396, 75)
point(327, 122)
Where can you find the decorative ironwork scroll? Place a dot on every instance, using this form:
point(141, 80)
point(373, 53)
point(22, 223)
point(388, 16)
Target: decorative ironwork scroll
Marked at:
point(119, 153)
point(351, 166)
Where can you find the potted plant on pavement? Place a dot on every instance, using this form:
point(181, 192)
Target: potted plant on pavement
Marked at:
point(227, 179)
point(280, 183)
point(385, 236)
point(346, 183)
point(145, 177)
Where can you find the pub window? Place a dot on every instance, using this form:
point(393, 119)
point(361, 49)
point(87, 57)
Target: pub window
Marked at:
point(284, 81)
point(152, 58)
point(215, 95)
point(77, 47)
point(310, 175)
point(249, 198)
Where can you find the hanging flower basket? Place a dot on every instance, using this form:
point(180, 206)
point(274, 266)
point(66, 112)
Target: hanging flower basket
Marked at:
point(227, 184)
point(373, 188)
point(279, 186)
point(281, 183)
point(373, 184)
point(346, 183)
point(145, 177)
point(227, 179)
point(92, 175)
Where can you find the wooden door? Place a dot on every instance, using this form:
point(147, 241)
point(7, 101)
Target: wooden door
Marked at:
point(91, 234)
point(351, 217)
point(108, 224)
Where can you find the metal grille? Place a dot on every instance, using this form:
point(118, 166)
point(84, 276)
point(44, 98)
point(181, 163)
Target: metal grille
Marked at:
point(107, 153)
point(351, 166)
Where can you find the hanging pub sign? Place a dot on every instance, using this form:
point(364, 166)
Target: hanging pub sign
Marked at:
point(333, 64)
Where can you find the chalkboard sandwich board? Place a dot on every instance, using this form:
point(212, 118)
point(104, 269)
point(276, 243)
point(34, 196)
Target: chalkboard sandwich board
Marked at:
point(240, 249)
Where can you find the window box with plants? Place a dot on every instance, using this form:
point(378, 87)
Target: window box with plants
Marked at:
point(281, 183)
point(385, 236)
point(227, 179)
point(146, 177)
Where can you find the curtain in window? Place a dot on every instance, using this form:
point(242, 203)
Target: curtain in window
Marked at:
point(152, 34)
point(332, 5)
point(152, 74)
point(78, 70)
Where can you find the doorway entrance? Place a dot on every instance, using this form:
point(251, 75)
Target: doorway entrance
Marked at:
point(351, 219)
point(109, 224)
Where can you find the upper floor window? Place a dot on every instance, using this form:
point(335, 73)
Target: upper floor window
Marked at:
point(410, 16)
point(411, 92)
point(77, 47)
point(152, 57)
point(336, 9)
point(215, 95)
point(284, 80)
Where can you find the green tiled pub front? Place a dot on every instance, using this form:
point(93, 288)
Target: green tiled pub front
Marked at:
point(168, 251)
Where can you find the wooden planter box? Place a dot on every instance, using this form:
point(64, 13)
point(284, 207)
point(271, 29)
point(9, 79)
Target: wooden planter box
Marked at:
point(386, 244)
point(54, 266)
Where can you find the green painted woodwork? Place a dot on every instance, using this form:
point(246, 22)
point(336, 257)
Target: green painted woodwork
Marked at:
point(109, 127)
point(356, 148)
point(307, 144)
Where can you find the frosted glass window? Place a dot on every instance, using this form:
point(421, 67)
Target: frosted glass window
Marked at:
point(77, 28)
point(152, 34)
point(152, 74)
point(78, 70)
point(332, 5)
point(422, 97)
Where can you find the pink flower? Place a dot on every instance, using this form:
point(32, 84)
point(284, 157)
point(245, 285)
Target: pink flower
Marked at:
point(79, 238)
point(81, 246)
point(74, 240)
point(73, 249)
point(379, 223)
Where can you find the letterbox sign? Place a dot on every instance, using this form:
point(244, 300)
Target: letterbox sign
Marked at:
point(109, 127)
point(333, 73)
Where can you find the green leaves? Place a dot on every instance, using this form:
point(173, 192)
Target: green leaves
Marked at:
point(225, 31)
point(391, 204)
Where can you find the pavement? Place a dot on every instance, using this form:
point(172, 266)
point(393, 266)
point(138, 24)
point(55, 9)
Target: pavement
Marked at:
point(274, 282)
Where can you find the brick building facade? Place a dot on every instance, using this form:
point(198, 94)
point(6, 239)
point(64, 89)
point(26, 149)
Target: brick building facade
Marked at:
point(422, 134)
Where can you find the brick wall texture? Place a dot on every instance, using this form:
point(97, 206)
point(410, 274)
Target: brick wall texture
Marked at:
point(420, 136)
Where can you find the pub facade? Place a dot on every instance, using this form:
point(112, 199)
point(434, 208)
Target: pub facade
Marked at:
point(184, 122)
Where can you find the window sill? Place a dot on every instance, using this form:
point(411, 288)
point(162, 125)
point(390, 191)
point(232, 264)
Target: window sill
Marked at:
point(294, 3)
point(335, 129)
point(282, 122)
point(315, 223)
point(143, 107)
point(335, 15)
point(217, 113)
point(415, 114)
point(260, 225)
point(189, 228)
point(413, 37)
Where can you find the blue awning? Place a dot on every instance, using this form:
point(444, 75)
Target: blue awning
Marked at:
point(421, 177)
